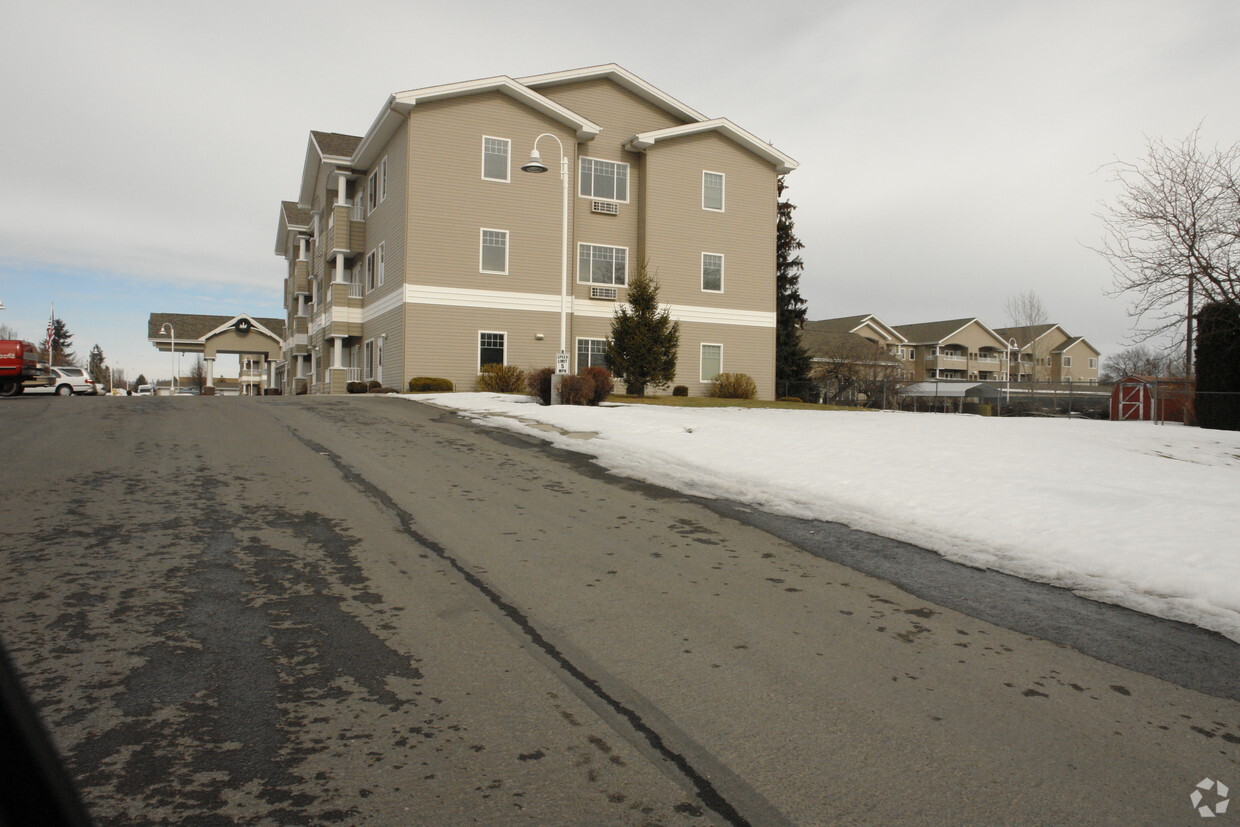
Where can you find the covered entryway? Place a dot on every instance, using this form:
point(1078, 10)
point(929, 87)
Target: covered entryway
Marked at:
point(256, 342)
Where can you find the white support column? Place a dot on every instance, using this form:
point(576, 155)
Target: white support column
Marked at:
point(210, 364)
point(301, 248)
point(342, 182)
point(337, 352)
point(339, 277)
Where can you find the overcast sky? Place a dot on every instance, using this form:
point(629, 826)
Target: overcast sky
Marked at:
point(952, 152)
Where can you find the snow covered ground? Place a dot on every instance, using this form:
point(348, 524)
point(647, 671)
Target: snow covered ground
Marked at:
point(1146, 516)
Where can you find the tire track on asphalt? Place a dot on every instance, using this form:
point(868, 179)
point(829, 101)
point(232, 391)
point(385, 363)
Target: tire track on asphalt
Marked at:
point(706, 791)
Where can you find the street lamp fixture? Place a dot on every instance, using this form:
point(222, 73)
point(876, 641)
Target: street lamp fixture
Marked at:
point(536, 166)
point(172, 388)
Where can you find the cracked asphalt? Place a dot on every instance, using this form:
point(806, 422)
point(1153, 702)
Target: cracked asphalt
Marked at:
point(368, 611)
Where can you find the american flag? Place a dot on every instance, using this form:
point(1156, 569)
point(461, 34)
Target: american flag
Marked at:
point(51, 332)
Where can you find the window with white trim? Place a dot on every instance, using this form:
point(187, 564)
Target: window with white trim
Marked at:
point(491, 348)
point(1093, 364)
point(1067, 361)
point(912, 353)
point(372, 191)
point(370, 271)
point(712, 362)
point(380, 259)
point(495, 154)
point(597, 264)
point(368, 359)
point(712, 272)
point(591, 353)
point(607, 180)
point(493, 252)
point(383, 179)
point(712, 191)
point(379, 358)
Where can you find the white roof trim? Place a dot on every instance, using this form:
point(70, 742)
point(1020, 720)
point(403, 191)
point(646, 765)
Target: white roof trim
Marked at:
point(891, 332)
point(228, 324)
point(624, 78)
point(399, 104)
point(783, 163)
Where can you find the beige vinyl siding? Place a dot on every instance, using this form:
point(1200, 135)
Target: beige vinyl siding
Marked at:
point(678, 230)
point(449, 203)
point(443, 341)
point(391, 325)
point(386, 223)
point(745, 350)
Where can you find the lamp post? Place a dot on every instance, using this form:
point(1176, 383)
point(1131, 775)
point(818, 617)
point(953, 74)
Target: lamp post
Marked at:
point(172, 388)
point(1012, 346)
point(535, 165)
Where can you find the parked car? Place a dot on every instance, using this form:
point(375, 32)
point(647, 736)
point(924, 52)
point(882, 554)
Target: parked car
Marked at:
point(145, 390)
point(67, 381)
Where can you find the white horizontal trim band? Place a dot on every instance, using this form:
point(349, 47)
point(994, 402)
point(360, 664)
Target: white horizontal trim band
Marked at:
point(550, 303)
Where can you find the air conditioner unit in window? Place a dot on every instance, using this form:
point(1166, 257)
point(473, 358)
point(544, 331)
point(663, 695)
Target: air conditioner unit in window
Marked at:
point(605, 207)
point(608, 293)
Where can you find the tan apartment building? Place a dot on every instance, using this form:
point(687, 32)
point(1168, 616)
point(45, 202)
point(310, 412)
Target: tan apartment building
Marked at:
point(422, 249)
point(961, 349)
point(1048, 353)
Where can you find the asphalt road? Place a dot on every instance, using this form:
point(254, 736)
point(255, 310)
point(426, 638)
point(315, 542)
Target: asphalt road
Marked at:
point(367, 611)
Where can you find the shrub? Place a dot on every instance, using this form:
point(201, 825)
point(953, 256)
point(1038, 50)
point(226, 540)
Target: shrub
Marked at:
point(373, 383)
point(680, 390)
point(421, 384)
point(790, 399)
point(501, 379)
point(603, 384)
point(733, 386)
point(576, 390)
point(383, 390)
point(538, 383)
point(356, 387)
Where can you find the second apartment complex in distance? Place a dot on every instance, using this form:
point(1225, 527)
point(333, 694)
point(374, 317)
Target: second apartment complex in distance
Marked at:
point(962, 349)
point(422, 249)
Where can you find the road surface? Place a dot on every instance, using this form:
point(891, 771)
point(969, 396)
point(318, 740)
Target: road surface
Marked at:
point(369, 611)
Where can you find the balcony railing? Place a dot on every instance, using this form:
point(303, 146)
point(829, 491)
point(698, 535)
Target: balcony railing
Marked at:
point(353, 374)
point(355, 290)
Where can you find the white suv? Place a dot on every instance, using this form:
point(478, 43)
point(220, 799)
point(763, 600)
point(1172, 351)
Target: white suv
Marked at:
point(67, 381)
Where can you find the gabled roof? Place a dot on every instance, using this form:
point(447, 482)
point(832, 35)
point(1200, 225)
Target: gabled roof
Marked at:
point(292, 219)
point(833, 345)
point(933, 333)
point(193, 327)
point(851, 324)
point(1076, 340)
point(399, 104)
point(783, 163)
point(622, 77)
point(1026, 335)
point(335, 144)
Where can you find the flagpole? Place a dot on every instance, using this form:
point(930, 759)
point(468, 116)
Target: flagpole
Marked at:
point(51, 332)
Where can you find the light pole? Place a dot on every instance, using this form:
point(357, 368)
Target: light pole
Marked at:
point(172, 388)
point(535, 164)
point(1011, 347)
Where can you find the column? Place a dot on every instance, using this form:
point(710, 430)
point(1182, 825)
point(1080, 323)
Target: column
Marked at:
point(301, 248)
point(342, 183)
point(339, 277)
point(337, 352)
point(210, 363)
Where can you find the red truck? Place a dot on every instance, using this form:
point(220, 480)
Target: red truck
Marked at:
point(19, 367)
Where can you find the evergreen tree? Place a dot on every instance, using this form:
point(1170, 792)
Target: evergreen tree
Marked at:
point(1218, 366)
point(792, 362)
point(61, 340)
point(141, 380)
point(96, 367)
point(644, 339)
